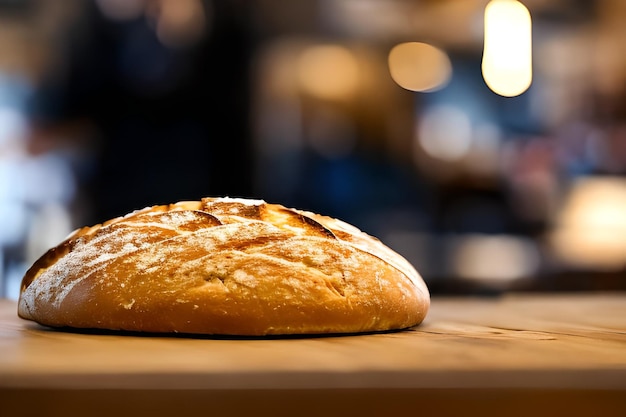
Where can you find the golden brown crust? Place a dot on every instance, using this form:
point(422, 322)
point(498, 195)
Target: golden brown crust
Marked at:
point(224, 266)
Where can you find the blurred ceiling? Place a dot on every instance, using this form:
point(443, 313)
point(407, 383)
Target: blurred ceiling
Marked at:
point(449, 23)
point(576, 42)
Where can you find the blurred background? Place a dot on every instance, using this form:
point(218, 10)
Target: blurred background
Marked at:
point(107, 106)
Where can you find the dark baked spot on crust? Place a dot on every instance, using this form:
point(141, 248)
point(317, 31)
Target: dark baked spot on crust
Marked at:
point(233, 208)
point(315, 226)
point(311, 226)
point(214, 276)
point(336, 286)
point(340, 234)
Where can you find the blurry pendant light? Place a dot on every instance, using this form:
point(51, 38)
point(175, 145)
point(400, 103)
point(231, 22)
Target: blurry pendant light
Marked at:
point(507, 54)
point(418, 66)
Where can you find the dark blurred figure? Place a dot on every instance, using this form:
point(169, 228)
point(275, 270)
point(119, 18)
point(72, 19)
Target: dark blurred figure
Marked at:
point(164, 87)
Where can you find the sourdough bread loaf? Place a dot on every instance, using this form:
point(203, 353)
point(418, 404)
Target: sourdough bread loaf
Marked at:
point(224, 266)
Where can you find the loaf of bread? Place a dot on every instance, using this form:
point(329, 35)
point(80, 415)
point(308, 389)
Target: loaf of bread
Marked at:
point(224, 266)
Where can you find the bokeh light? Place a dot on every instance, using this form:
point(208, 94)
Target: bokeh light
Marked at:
point(418, 66)
point(328, 71)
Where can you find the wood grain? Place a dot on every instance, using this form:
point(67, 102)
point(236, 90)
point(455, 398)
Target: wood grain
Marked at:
point(573, 346)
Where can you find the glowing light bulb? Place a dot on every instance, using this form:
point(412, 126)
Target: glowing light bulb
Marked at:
point(507, 54)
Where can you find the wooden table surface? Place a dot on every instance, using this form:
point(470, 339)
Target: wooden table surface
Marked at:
point(534, 353)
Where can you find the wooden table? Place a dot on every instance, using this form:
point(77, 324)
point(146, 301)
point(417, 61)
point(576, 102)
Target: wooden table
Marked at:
point(515, 355)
